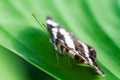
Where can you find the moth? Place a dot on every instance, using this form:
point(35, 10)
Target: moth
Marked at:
point(64, 42)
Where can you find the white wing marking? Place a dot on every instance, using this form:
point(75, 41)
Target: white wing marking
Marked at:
point(51, 22)
point(55, 31)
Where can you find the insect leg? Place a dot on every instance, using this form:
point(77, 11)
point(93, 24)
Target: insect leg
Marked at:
point(69, 62)
point(57, 58)
point(60, 47)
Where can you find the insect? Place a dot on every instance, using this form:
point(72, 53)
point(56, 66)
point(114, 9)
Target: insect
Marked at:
point(64, 42)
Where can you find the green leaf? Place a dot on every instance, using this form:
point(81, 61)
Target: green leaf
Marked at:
point(10, 66)
point(93, 22)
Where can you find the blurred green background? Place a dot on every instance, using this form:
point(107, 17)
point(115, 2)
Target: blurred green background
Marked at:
point(25, 50)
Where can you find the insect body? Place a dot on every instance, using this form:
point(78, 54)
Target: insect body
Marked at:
point(63, 41)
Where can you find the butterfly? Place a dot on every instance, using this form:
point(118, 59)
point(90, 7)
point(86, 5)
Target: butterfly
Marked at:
point(64, 42)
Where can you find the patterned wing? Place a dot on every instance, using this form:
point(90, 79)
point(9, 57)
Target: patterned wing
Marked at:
point(57, 37)
point(89, 55)
point(63, 41)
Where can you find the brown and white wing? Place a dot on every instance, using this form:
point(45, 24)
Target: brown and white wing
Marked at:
point(88, 55)
point(63, 41)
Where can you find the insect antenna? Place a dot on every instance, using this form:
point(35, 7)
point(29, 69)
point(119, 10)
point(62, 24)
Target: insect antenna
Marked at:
point(41, 24)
